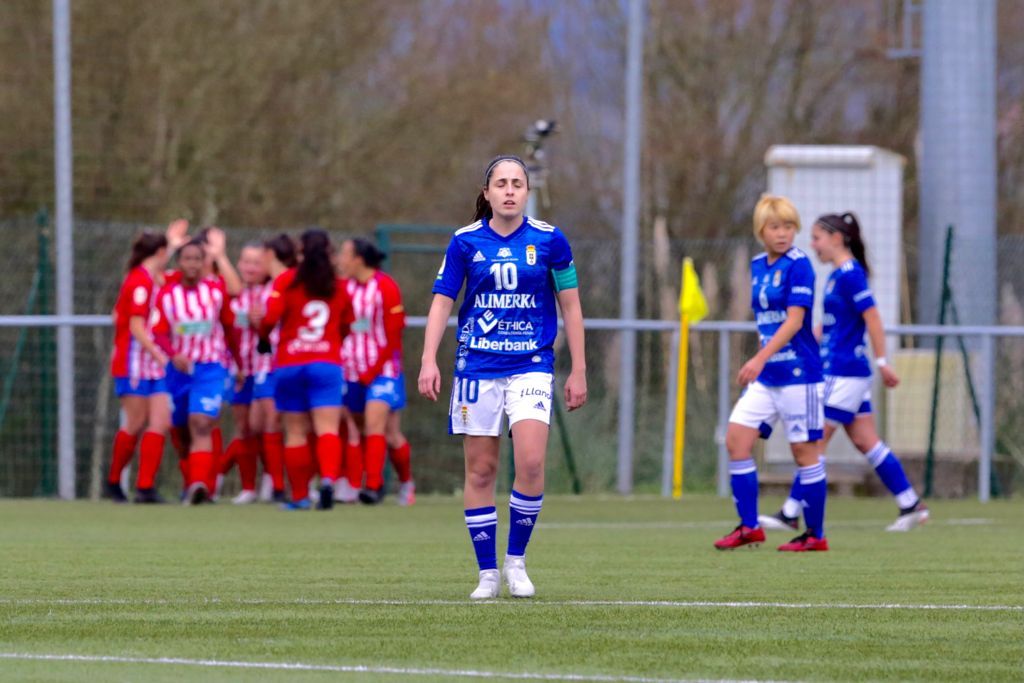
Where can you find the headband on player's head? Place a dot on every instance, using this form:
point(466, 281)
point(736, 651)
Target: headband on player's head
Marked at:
point(505, 157)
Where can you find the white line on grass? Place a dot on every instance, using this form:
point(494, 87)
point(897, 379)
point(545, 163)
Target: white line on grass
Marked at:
point(354, 602)
point(338, 668)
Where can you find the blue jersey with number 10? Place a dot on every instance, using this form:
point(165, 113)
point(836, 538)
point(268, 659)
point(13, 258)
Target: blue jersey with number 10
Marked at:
point(789, 281)
point(508, 320)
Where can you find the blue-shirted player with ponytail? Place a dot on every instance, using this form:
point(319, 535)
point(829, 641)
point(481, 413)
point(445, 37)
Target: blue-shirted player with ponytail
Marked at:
point(514, 268)
point(783, 380)
point(850, 312)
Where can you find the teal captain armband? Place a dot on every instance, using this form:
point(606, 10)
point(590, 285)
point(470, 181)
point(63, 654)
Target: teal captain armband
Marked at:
point(565, 278)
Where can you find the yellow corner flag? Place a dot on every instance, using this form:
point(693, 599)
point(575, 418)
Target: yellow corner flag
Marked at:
point(692, 308)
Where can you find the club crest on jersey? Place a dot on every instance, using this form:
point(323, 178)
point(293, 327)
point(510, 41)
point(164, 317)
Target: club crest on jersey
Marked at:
point(777, 278)
point(531, 255)
point(504, 252)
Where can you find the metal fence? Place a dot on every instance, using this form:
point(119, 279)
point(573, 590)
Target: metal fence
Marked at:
point(28, 369)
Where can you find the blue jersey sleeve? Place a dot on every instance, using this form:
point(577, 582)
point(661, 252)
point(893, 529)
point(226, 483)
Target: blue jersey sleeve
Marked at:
point(801, 284)
point(561, 252)
point(855, 286)
point(453, 270)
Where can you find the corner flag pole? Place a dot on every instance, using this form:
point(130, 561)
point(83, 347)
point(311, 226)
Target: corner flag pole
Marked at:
point(692, 308)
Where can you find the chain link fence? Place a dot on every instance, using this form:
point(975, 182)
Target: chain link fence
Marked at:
point(28, 382)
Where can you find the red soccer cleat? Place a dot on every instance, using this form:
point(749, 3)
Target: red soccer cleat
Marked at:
point(741, 536)
point(805, 543)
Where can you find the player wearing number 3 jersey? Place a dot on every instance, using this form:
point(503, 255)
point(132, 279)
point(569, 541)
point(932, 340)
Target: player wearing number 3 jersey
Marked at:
point(315, 312)
point(514, 269)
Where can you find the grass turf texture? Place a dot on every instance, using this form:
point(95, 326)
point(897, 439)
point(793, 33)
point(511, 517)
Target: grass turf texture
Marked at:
point(258, 585)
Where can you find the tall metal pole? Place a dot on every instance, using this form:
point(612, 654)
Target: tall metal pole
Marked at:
point(630, 229)
point(957, 166)
point(65, 253)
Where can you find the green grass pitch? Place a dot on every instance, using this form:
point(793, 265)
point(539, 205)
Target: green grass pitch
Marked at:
point(627, 590)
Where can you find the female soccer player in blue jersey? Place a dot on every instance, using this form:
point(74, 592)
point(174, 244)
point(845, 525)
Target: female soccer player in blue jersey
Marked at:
point(850, 311)
point(514, 268)
point(783, 380)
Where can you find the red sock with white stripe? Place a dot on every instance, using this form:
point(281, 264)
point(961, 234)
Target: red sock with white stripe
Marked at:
point(151, 452)
point(376, 454)
point(121, 455)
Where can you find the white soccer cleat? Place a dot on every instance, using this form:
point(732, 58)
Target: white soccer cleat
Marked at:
point(344, 492)
point(407, 493)
point(489, 586)
point(778, 522)
point(910, 520)
point(245, 498)
point(266, 488)
point(519, 584)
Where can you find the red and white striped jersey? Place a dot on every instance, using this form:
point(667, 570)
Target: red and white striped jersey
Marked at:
point(195, 319)
point(250, 361)
point(374, 346)
point(136, 299)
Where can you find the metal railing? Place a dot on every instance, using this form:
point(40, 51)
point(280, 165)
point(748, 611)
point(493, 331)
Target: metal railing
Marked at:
point(984, 336)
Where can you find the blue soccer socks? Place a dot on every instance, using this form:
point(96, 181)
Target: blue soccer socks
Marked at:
point(483, 527)
point(814, 490)
point(890, 471)
point(523, 511)
point(743, 475)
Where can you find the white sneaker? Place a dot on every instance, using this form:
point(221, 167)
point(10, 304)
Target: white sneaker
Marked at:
point(344, 492)
point(215, 496)
point(489, 586)
point(407, 493)
point(266, 488)
point(519, 584)
point(245, 498)
point(910, 520)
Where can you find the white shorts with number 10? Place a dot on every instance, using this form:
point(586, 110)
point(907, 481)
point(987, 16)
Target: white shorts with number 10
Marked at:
point(478, 405)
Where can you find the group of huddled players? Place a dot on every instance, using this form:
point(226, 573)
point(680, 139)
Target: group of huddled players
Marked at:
point(303, 341)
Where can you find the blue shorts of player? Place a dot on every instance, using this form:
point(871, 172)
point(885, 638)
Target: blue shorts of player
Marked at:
point(200, 393)
point(123, 386)
point(255, 388)
point(391, 390)
point(301, 388)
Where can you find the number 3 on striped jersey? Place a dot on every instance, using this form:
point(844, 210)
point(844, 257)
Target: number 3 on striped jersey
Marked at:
point(505, 276)
point(317, 313)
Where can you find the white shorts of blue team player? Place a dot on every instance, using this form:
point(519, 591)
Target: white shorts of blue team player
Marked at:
point(846, 398)
point(800, 408)
point(478, 405)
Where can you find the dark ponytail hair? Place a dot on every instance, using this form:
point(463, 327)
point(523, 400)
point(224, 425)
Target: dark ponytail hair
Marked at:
point(846, 225)
point(483, 207)
point(316, 271)
point(366, 250)
point(283, 248)
point(144, 246)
